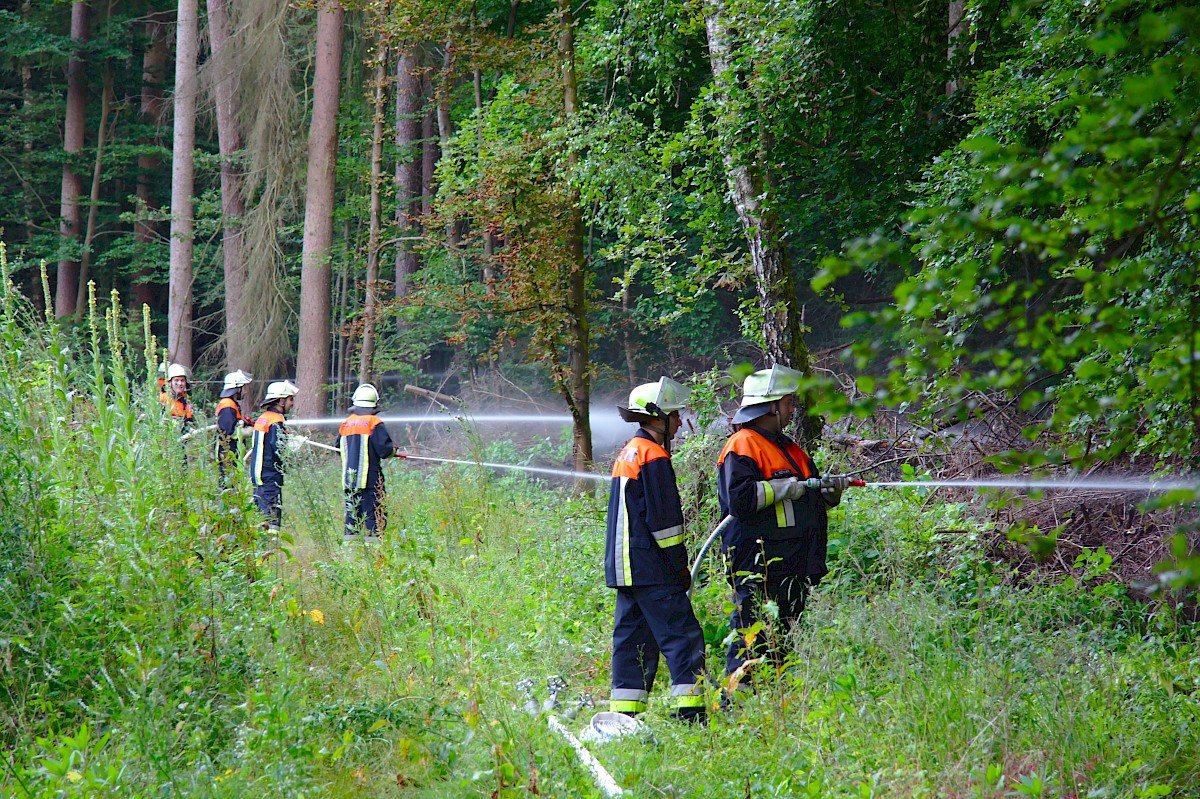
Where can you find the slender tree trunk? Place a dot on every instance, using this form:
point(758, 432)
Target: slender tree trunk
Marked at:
point(312, 363)
point(179, 312)
point(85, 261)
point(429, 155)
point(233, 201)
point(627, 343)
point(409, 151)
point(31, 199)
point(957, 27)
point(366, 361)
point(153, 110)
point(747, 185)
point(67, 283)
point(577, 305)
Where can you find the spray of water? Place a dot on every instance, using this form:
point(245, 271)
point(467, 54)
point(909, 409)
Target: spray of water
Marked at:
point(435, 418)
point(1132, 485)
point(531, 469)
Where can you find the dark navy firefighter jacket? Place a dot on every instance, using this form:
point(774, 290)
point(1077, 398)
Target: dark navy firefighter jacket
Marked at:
point(644, 541)
point(364, 441)
point(770, 537)
point(266, 461)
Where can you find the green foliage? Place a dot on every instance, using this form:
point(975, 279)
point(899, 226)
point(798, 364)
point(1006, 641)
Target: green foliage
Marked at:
point(1048, 251)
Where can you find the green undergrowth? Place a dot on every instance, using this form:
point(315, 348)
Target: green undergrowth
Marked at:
point(155, 642)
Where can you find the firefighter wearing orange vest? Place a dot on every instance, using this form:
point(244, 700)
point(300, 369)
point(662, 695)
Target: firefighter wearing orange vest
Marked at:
point(364, 443)
point(174, 396)
point(266, 450)
point(776, 542)
point(230, 421)
point(646, 561)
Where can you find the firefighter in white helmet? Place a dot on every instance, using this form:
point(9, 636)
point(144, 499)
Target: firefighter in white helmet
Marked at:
point(771, 487)
point(364, 443)
point(646, 561)
point(174, 396)
point(230, 421)
point(266, 450)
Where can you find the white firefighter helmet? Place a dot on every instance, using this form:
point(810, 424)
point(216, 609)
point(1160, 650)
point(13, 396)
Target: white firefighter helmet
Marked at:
point(655, 400)
point(279, 390)
point(365, 396)
point(234, 381)
point(177, 370)
point(764, 387)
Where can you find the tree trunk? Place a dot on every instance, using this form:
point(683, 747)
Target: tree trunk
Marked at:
point(957, 26)
point(312, 363)
point(366, 361)
point(153, 109)
point(67, 283)
point(233, 201)
point(179, 312)
point(429, 155)
point(85, 261)
point(409, 151)
point(782, 331)
point(627, 343)
point(579, 400)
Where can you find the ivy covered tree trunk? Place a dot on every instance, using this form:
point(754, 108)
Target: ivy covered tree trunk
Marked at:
point(179, 313)
point(71, 224)
point(409, 112)
point(312, 361)
point(233, 201)
point(745, 162)
point(579, 387)
point(366, 361)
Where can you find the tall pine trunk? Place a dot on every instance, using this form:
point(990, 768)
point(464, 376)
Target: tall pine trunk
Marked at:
point(366, 361)
point(152, 112)
point(579, 387)
point(179, 311)
point(89, 235)
point(409, 150)
point(957, 27)
point(746, 162)
point(233, 200)
point(312, 362)
point(67, 282)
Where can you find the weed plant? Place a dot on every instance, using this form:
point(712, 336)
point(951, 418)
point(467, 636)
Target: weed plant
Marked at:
point(154, 642)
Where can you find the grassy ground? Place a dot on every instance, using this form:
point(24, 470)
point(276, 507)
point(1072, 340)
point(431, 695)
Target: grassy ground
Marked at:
point(154, 643)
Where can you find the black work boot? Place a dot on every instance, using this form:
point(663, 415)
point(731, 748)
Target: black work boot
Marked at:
point(691, 715)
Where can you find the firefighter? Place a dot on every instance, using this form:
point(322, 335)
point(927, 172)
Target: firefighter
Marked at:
point(174, 396)
point(230, 421)
point(266, 450)
point(646, 561)
point(364, 443)
point(775, 544)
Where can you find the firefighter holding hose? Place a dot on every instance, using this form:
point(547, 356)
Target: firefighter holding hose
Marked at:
point(230, 421)
point(266, 450)
point(776, 541)
point(364, 442)
point(645, 560)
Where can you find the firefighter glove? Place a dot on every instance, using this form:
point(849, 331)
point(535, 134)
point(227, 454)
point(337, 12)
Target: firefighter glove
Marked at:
point(295, 442)
point(787, 488)
point(837, 482)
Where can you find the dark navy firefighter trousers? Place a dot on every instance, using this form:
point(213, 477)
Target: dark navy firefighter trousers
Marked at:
point(652, 619)
point(365, 511)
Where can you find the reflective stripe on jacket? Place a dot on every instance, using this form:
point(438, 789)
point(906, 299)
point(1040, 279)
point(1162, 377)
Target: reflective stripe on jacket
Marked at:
point(266, 465)
point(644, 541)
point(364, 441)
point(770, 537)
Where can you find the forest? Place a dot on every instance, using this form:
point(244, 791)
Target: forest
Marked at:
point(971, 225)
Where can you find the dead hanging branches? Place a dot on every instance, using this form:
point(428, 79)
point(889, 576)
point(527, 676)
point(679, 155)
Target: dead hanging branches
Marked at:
point(261, 60)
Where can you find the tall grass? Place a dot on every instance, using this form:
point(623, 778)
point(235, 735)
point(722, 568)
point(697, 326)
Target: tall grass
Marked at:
point(153, 642)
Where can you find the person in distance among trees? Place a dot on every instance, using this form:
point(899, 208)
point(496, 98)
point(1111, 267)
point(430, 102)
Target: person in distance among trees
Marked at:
point(364, 443)
point(776, 542)
point(266, 450)
point(645, 560)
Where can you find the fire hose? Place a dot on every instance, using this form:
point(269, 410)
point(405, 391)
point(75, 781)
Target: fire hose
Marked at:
point(813, 483)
